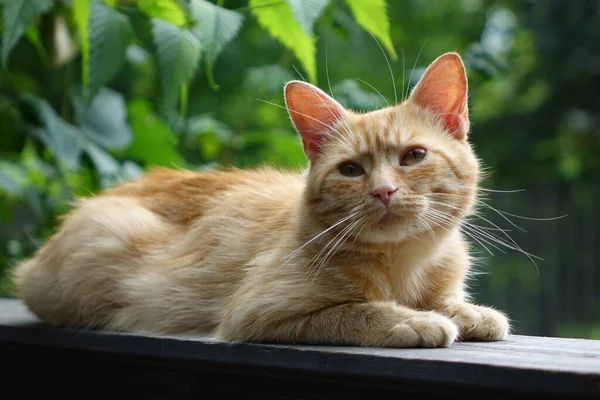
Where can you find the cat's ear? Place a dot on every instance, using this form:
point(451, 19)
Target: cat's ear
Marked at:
point(443, 90)
point(313, 112)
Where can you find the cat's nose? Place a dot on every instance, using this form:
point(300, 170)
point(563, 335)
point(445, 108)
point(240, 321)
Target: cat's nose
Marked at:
point(384, 193)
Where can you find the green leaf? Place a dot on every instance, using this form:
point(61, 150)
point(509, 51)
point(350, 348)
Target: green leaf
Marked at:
point(17, 16)
point(178, 54)
point(105, 164)
point(104, 121)
point(110, 33)
point(131, 170)
point(154, 143)
point(307, 12)
point(278, 19)
point(13, 178)
point(215, 26)
point(81, 16)
point(169, 10)
point(372, 16)
point(33, 34)
point(63, 139)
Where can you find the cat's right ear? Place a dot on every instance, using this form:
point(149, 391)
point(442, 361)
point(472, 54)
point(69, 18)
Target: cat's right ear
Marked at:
point(313, 113)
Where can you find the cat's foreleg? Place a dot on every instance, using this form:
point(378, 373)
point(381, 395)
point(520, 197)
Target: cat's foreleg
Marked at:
point(374, 324)
point(477, 323)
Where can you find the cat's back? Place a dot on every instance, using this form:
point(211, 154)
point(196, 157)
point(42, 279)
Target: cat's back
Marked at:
point(183, 196)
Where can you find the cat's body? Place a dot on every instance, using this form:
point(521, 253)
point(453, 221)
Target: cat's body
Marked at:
point(341, 255)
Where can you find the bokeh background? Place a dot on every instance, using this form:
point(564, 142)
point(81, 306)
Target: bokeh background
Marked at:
point(534, 75)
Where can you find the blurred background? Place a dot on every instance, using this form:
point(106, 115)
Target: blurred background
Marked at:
point(94, 93)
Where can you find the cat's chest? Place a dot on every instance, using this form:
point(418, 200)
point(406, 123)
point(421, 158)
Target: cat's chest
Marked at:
point(408, 284)
point(404, 283)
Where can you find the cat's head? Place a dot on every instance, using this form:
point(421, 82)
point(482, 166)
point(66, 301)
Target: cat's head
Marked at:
point(402, 171)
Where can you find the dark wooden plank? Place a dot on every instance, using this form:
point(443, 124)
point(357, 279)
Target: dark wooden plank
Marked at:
point(520, 365)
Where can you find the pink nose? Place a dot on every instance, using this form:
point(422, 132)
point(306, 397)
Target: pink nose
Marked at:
point(384, 193)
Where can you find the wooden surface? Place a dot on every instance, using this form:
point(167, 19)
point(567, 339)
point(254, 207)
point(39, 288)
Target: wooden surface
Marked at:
point(521, 365)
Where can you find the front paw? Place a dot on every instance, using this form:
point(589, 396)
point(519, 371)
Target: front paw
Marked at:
point(479, 323)
point(424, 329)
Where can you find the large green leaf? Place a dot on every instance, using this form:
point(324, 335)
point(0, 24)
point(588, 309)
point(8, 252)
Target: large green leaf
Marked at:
point(169, 10)
point(306, 12)
point(154, 143)
point(13, 178)
point(278, 19)
point(178, 54)
point(104, 120)
point(215, 26)
point(105, 164)
point(63, 139)
point(17, 15)
point(372, 16)
point(104, 41)
point(81, 16)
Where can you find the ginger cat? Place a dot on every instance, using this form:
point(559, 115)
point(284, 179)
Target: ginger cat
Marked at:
point(364, 249)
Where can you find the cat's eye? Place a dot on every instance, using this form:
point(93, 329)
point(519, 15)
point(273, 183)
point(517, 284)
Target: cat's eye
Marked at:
point(413, 156)
point(351, 169)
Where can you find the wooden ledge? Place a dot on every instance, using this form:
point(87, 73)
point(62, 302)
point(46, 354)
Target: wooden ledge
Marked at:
point(36, 359)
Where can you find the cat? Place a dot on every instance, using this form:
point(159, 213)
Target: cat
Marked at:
point(363, 249)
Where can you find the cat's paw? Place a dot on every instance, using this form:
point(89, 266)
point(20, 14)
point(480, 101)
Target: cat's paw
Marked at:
point(480, 323)
point(424, 329)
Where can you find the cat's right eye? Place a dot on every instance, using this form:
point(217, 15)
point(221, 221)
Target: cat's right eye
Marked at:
point(351, 169)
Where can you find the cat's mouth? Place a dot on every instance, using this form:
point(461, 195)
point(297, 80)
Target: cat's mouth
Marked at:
point(388, 217)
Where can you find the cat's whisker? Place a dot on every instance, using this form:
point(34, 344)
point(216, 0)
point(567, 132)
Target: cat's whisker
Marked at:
point(332, 95)
point(377, 91)
point(500, 191)
point(338, 245)
point(415, 66)
point(313, 262)
point(389, 67)
point(340, 135)
point(488, 238)
point(299, 249)
point(423, 220)
point(480, 202)
point(359, 232)
point(403, 74)
point(476, 215)
point(440, 221)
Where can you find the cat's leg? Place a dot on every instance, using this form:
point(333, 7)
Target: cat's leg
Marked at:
point(477, 323)
point(374, 324)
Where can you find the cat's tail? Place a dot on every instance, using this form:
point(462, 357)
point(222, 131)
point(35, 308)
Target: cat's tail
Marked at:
point(33, 286)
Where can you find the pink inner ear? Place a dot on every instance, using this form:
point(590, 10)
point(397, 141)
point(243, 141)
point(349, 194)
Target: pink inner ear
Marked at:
point(443, 90)
point(313, 113)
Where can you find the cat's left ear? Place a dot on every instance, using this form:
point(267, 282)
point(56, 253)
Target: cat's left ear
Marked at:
point(443, 90)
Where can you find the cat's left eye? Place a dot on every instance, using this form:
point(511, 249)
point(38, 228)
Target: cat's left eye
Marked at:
point(413, 156)
point(351, 169)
